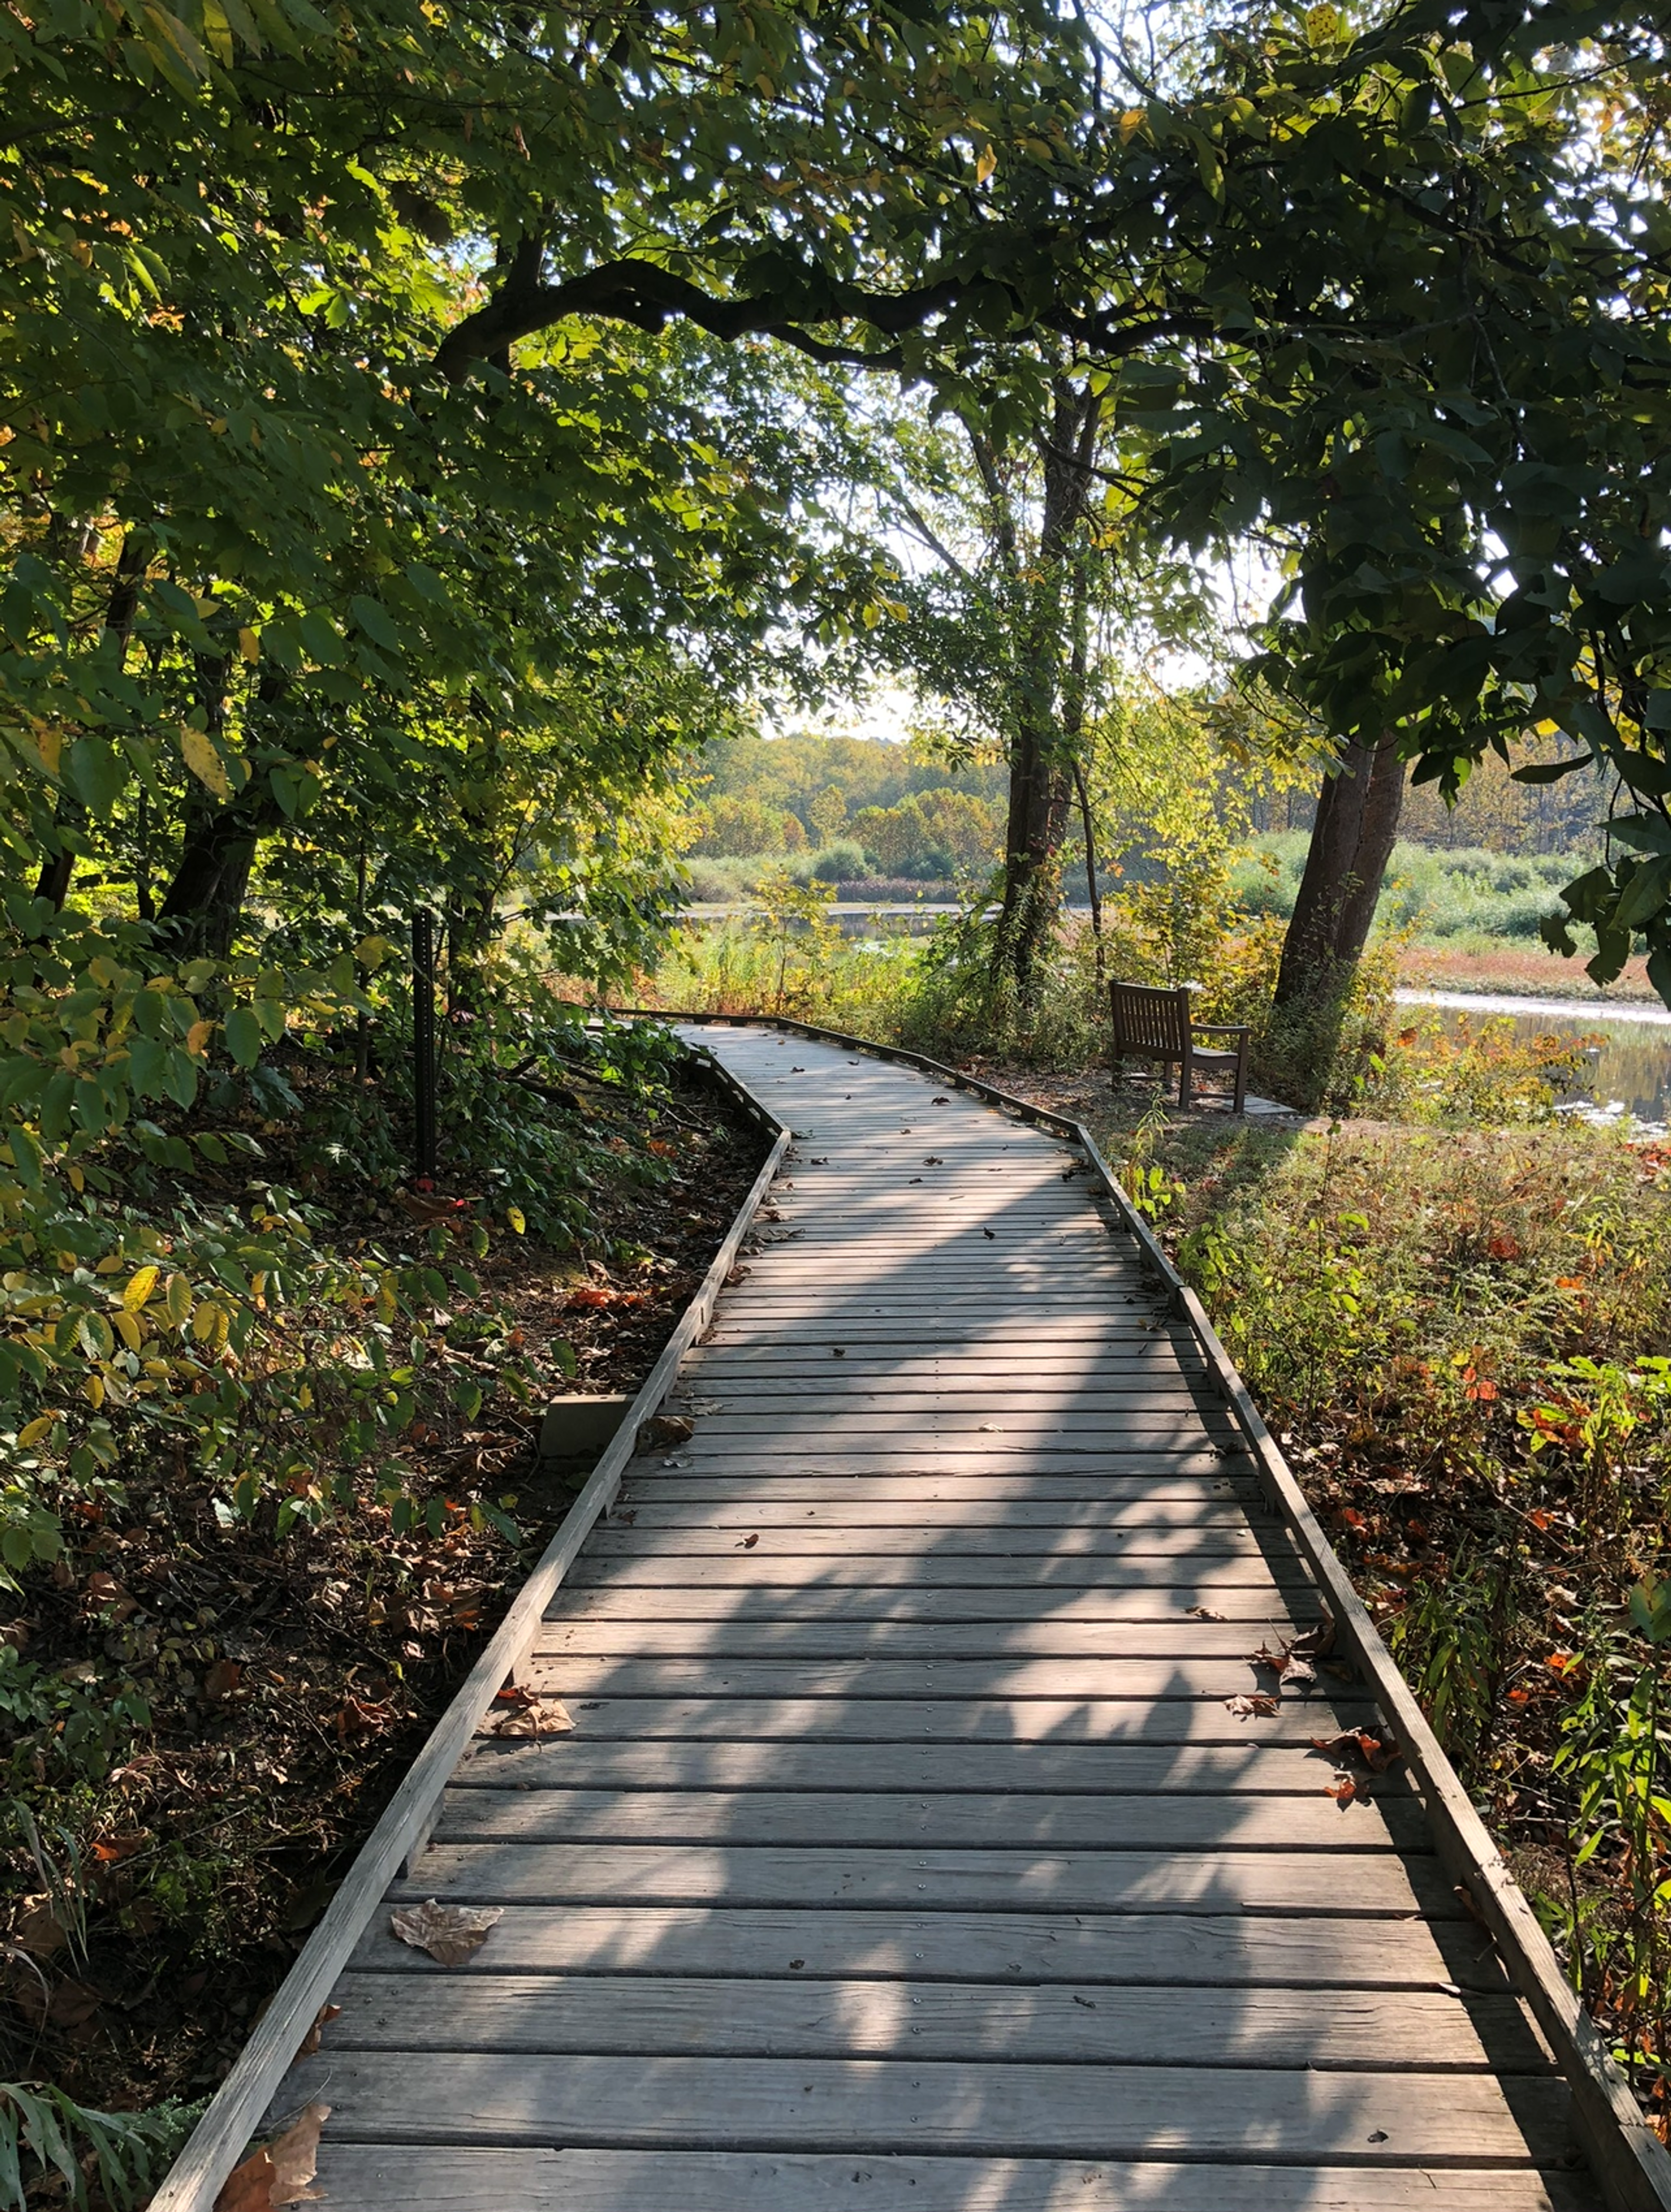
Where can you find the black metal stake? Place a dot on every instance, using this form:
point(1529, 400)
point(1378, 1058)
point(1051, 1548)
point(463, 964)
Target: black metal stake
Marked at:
point(423, 1041)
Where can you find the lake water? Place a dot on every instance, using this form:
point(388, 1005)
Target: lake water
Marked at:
point(1633, 1068)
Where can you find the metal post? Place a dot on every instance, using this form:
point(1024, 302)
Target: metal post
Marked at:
point(423, 1041)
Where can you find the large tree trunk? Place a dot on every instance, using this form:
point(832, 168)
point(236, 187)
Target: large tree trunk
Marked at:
point(1048, 689)
point(204, 902)
point(1351, 841)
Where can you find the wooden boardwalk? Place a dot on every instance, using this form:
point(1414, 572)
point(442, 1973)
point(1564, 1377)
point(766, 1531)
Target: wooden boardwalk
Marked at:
point(905, 1852)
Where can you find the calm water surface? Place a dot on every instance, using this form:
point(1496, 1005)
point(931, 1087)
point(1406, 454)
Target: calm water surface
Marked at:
point(1632, 1068)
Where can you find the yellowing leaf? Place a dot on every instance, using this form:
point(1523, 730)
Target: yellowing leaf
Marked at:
point(35, 1432)
point(200, 756)
point(196, 1038)
point(1322, 23)
point(93, 1391)
point(128, 1329)
point(1131, 123)
point(49, 740)
point(140, 1286)
point(514, 1215)
point(249, 645)
point(986, 162)
point(178, 1298)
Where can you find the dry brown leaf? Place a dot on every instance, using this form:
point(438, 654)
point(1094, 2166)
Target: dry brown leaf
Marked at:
point(1342, 1789)
point(1361, 1747)
point(37, 1929)
point(221, 1680)
point(1245, 1707)
point(111, 1849)
point(449, 1933)
point(279, 2173)
point(310, 2042)
point(530, 1714)
point(1204, 1612)
point(1294, 1662)
point(664, 1431)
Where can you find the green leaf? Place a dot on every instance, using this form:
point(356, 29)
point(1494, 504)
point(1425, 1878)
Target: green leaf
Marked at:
point(1645, 895)
point(375, 621)
point(1647, 833)
point(1551, 771)
point(243, 1037)
point(95, 773)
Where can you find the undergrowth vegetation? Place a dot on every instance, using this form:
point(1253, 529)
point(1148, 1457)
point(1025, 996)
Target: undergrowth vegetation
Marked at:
point(266, 1412)
point(1357, 1053)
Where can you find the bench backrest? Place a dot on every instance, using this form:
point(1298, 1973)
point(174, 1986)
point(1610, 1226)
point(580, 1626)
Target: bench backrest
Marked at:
point(1147, 1020)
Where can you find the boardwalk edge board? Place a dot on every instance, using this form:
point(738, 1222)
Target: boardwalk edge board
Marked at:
point(235, 2112)
point(1630, 2164)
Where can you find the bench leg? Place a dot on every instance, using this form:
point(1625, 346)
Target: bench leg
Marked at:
point(1240, 1106)
point(1186, 1070)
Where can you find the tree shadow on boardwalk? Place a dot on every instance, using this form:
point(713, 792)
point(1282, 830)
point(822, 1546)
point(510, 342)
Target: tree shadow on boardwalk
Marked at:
point(907, 1848)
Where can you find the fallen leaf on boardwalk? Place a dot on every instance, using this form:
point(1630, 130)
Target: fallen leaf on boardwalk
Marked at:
point(1293, 1662)
point(664, 1430)
point(1342, 1789)
point(449, 1933)
point(932, 1160)
point(838, 1351)
point(1242, 1707)
point(310, 2042)
point(991, 1233)
point(1376, 1753)
point(1204, 1612)
point(279, 2173)
point(939, 1102)
point(737, 1275)
point(524, 1712)
point(747, 1544)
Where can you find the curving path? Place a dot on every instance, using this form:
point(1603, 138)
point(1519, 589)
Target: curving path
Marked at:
point(905, 1852)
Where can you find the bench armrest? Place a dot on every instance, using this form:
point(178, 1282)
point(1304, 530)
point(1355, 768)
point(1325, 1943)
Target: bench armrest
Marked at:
point(1223, 1029)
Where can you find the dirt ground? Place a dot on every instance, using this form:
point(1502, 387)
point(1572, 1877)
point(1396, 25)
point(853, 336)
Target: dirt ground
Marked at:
point(290, 1682)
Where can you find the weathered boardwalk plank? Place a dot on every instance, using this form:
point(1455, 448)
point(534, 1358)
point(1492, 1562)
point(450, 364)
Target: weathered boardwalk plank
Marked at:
point(912, 1846)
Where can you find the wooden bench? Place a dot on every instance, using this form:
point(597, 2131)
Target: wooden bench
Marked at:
point(1155, 1025)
